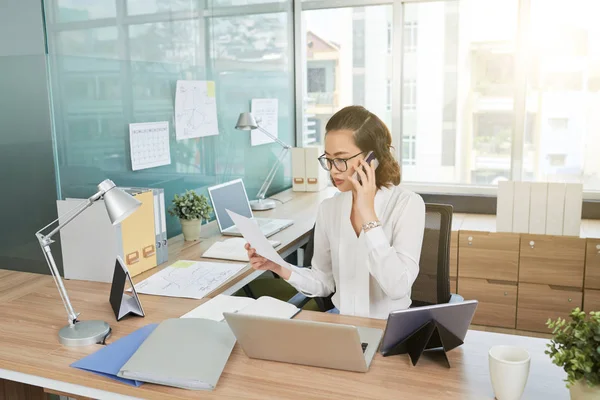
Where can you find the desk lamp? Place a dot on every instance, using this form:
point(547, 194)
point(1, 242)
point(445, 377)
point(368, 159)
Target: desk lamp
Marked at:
point(119, 206)
point(246, 122)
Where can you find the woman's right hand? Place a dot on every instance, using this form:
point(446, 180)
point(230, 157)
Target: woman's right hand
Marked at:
point(258, 262)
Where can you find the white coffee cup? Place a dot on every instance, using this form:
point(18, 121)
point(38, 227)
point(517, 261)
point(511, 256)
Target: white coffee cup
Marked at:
point(509, 369)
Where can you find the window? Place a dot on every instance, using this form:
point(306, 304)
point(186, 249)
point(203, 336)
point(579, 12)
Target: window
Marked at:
point(350, 44)
point(358, 41)
point(409, 94)
point(561, 94)
point(410, 36)
point(316, 80)
point(388, 95)
point(389, 38)
point(409, 147)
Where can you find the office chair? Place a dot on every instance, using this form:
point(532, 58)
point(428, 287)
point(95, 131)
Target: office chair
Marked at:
point(432, 285)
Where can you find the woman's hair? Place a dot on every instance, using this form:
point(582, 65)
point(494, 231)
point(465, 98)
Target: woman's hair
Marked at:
point(370, 134)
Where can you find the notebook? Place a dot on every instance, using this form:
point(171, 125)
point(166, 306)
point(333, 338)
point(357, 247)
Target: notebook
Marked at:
point(263, 306)
point(231, 249)
point(184, 353)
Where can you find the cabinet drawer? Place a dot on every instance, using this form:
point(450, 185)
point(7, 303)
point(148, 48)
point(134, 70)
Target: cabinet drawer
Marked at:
point(497, 301)
point(537, 303)
point(591, 300)
point(552, 260)
point(488, 255)
point(454, 254)
point(592, 264)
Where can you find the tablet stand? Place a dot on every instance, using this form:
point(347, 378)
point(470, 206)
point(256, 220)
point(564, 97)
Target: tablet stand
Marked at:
point(430, 335)
point(122, 303)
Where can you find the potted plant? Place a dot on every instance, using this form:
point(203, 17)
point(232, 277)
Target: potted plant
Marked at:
point(575, 347)
point(190, 208)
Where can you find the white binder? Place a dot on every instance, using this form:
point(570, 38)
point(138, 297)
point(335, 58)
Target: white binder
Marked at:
point(316, 176)
point(522, 193)
point(556, 208)
point(573, 206)
point(298, 170)
point(504, 206)
point(537, 209)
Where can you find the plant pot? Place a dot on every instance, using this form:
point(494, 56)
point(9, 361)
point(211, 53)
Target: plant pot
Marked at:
point(191, 229)
point(581, 391)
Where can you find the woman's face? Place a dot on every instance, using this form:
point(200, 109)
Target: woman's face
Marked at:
point(340, 144)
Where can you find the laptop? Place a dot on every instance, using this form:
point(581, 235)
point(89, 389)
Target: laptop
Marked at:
point(232, 196)
point(318, 344)
point(455, 317)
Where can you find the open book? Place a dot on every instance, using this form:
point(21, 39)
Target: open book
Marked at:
point(264, 306)
point(231, 249)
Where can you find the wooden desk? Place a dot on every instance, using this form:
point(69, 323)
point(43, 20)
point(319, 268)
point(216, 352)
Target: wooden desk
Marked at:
point(31, 313)
point(301, 208)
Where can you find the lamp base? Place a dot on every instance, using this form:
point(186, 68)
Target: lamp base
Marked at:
point(84, 333)
point(262, 205)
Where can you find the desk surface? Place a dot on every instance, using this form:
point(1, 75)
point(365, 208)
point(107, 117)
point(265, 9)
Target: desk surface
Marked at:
point(31, 314)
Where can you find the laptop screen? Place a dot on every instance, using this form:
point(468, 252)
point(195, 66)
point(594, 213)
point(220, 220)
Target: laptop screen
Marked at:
point(229, 196)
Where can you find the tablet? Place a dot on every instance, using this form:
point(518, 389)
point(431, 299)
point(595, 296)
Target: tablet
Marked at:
point(456, 317)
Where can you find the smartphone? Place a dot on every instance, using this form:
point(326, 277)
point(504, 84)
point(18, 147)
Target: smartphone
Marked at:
point(370, 157)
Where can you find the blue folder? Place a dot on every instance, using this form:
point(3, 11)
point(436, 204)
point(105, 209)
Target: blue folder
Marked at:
point(108, 360)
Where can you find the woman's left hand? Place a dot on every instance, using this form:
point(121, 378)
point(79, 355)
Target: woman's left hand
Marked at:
point(365, 192)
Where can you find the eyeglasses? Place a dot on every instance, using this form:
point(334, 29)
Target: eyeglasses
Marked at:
point(341, 164)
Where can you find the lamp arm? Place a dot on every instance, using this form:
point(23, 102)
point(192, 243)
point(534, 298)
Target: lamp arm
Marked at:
point(73, 213)
point(46, 240)
point(275, 138)
point(269, 179)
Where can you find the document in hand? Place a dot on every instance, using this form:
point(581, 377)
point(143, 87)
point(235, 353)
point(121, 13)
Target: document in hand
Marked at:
point(185, 353)
point(253, 235)
point(264, 306)
point(231, 249)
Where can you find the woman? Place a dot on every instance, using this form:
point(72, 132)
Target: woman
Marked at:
point(368, 237)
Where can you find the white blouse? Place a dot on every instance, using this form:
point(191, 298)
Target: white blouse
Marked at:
point(372, 274)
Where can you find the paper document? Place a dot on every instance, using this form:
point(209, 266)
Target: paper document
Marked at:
point(253, 235)
point(265, 112)
point(189, 279)
point(264, 306)
point(231, 249)
point(149, 144)
point(195, 109)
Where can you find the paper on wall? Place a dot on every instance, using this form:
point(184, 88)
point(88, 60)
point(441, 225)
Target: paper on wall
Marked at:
point(149, 143)
point(195, 109)
point(265, 111)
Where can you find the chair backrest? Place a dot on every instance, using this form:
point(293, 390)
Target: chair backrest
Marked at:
point(432, 285)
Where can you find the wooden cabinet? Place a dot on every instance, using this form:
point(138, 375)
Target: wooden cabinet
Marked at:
point(591, 300)
point(453, 286)
point(488, 255)
point(497, 301)
point(454, 255)
point(592, 264)
point(538, 302)
point(552, 260)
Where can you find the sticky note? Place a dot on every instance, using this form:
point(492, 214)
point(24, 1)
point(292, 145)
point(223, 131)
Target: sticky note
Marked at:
point(210, 88)
point(183, 264)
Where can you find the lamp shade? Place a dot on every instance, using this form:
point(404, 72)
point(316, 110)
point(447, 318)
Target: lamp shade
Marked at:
point(246, 122)
point(119, 204)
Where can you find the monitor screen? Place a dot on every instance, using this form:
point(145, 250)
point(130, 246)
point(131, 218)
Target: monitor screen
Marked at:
point(229, 196)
